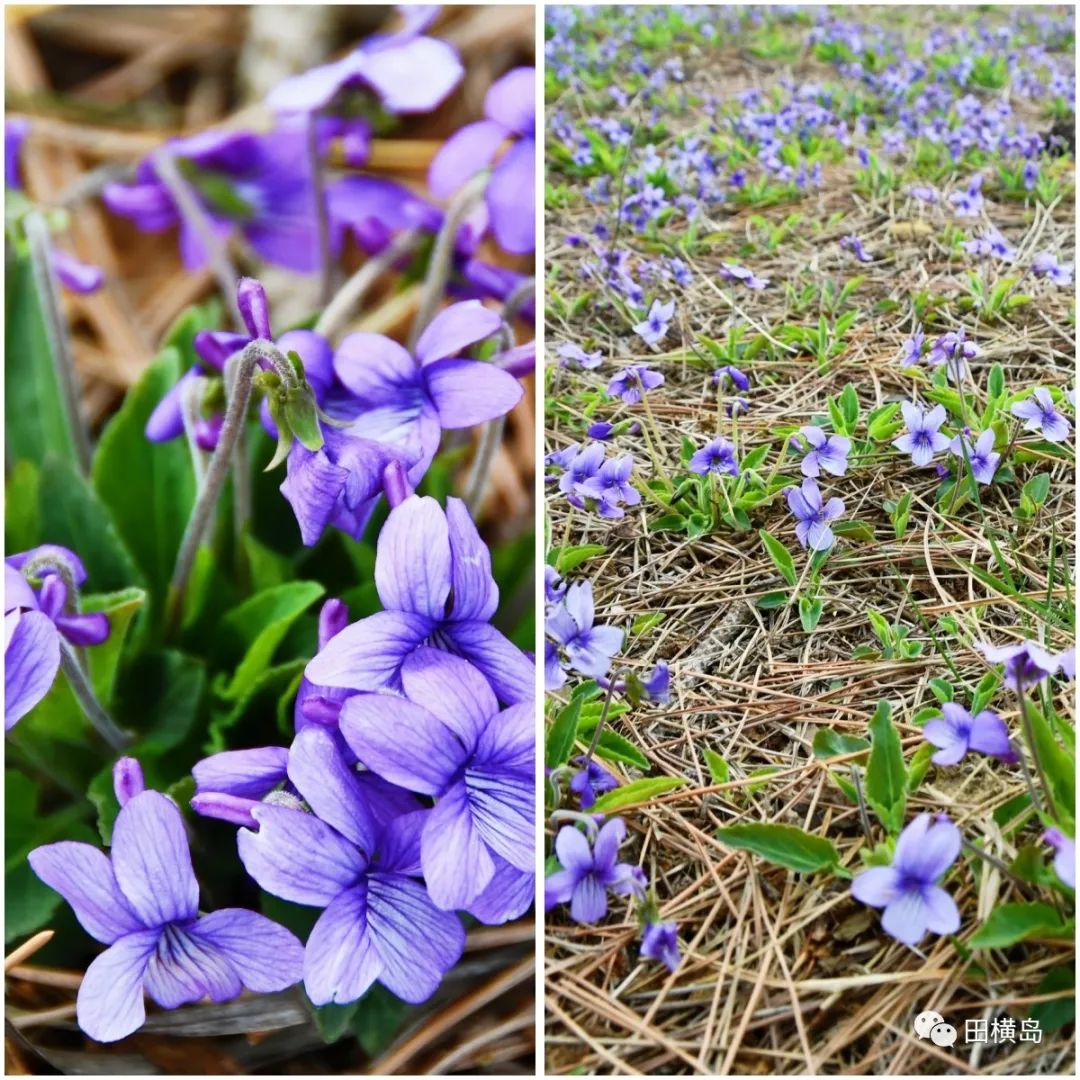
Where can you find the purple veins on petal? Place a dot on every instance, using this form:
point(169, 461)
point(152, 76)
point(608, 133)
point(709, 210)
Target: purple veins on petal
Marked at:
point(589, 872)
point(828, 452)
point(907, 890)
point(717, 457)
point(581, 645)
point(812, 516)
point(1040, 414)
point(660, 941)
point(653, 329)
point(633, 382)
point(1024, 665)
point(923, 438)
point(143, 904)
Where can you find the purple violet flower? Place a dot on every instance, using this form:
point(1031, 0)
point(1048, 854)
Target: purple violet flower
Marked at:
point(737, 378)
point(734, 272)
point(590, 780)
point(853, 244)
point(37, 620)
point(828, 452)
point(575, 642)
point(660, 941)
point(911, 352)
point(952, 349)
point(588, 872)
point(1045, 264)
point(969, 202)
point(653, 329)
point(1064, 855)
point(981, 455)
point(717, 456)
point(574, 354)
point(610, 486)
point(378, 923)
point(991, 243)
point(908, 889)
point(1024, 665)
point(812, 517)
point(956, 732)
point(923, 439)
point(1039, 414)
point(633, 382)
point(509, 108)
point(449, 741)
point(433, 576)
point(407, 402)
point(142, 900)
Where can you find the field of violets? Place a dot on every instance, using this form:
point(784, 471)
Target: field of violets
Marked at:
point(269, 687)
point(810, 419)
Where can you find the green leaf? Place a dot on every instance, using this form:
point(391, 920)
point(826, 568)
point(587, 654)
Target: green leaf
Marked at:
point(257, 704)
point(718, 767)
point(1037, 488)
point(784, 845)
point(920, 764)
point(268, 567)
point(561, 735)
point(985, 691)
point(1010, 923)
point(809, 613)
point(855, 530)
point(35, 412)
point(22, 514)
point(148, 487)
point(104, 659)
point(570, 558)
point(377, 1019)
point(995, 383)
point(942, 689)
point(849, 408)
point(261, 623)
point(1053, 1015)
point(613, 747)
point(640, 791)
point(73, 515)
point(901, 514)
point(829, 744)
point(772, 600)
point(886, 776)
point(644, 623)
point(881, 424)
point(780, 556)
point(1057, 762)
point(334, 1021)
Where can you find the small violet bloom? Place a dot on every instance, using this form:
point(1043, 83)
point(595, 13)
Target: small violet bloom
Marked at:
point(1039, 414)
point(911, 352)
point(378, 922)
point(1064, 855)
point(571, 354)
point(923, 439)
point(956, 732)
point(739, 274)
point(449, 741)
point(633, 382)
point(142, 900)
point(990, 244)
point(37, 621)
point(433, 577)
point(510, 116)
point(588, 872)
point(660, 941)
point(853, 244)
point(812, 517)
point(654, 328)
point(1045, 264)
point(610, 486)
point(590, 780)
point(828, 452)
point(981, 455)
point(1024, 665)
point(575, 643)
point(954, 350)
point(737, 378)
point(717, 457)
point(908, 889)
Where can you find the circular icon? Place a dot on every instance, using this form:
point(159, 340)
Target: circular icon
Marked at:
point(925, 1022)
point(943, 1034)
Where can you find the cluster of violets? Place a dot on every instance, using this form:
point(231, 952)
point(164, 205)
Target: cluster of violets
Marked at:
point(404, 804)
point(405, 798)
point(587, 850)
point(592, 481)
point(908, 889)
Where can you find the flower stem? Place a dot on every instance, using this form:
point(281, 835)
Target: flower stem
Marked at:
point(442, 255)
point(190, 400)
point(1029, 738)
point(322, 222)
point(350, 295)
point(48, 290)
point(235, 419)
point(476, 485)
point(87, 699)
point(603, 717)
point(194, 215)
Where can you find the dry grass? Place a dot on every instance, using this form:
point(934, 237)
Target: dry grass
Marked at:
point(786, 974)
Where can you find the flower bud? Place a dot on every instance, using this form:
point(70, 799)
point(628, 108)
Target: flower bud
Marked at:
point(127, 780)
point(251, 300)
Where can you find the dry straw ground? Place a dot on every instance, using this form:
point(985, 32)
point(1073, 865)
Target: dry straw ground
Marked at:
point(783, 973)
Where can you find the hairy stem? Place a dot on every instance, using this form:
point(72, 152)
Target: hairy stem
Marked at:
point(603, 716)
point(195, 215)
point(203, 511)
point(48, 290)
point(349, 296)
point(87, 699)
point(322, 223)
point(442, 255)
